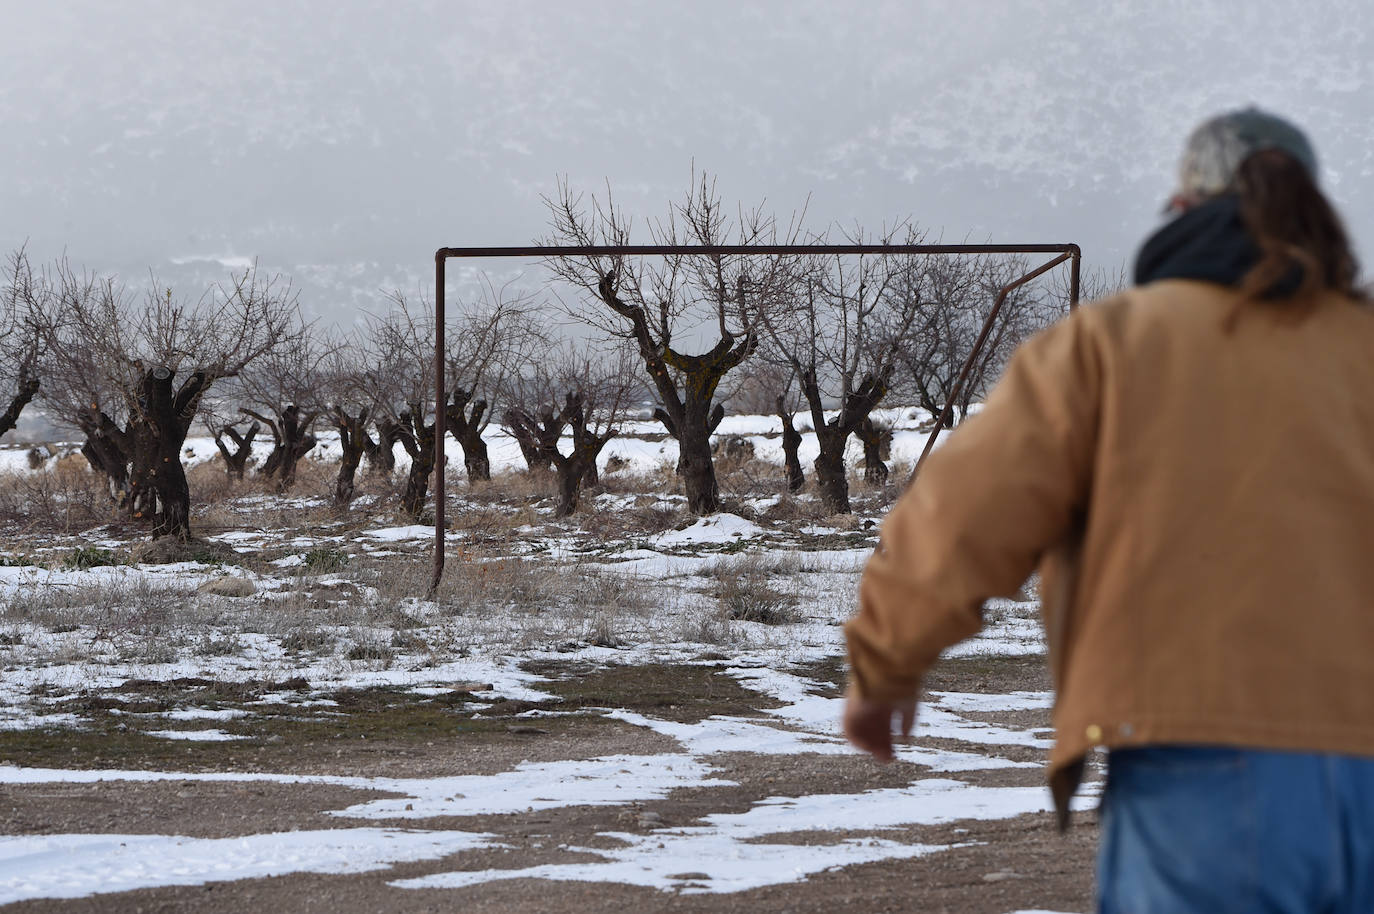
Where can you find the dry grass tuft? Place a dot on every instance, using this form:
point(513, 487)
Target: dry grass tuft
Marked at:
point(746, 591)
point(62, 501)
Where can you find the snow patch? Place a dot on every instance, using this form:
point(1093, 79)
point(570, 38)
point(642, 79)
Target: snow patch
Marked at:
point(75, 866)
point(197, 736)
point(717, 528)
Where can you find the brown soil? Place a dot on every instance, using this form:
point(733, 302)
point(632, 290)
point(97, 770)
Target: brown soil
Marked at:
point(1005, 866)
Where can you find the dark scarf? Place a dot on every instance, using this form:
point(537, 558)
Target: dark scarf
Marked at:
point(1207, 242)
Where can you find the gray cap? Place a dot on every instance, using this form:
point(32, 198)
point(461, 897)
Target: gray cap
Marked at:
point(1217, 147)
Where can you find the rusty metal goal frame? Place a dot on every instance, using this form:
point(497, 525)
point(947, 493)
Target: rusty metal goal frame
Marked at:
point(1065, 252)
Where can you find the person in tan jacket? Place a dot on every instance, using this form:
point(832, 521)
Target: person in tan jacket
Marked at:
point(1190, 466)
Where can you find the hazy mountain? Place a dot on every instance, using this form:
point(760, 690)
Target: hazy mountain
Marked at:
point(343, 142)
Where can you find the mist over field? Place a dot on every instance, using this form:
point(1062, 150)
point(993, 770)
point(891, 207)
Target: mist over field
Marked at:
point(342, 143)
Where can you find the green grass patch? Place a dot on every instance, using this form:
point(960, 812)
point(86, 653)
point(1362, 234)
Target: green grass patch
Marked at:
point(325, 559)
point(83, 557)
point(669, 691)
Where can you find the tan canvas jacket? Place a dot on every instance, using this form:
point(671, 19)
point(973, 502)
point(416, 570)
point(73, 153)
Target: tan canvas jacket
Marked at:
point(1200, 502)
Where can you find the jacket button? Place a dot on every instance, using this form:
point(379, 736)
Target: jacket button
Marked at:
point(1094, 733)
point(1127, 730)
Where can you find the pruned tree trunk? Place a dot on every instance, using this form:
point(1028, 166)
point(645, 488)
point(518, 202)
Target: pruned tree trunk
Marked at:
point(536, 437)
point(381, 454)
point(291, 440)
point(877, 446)
point(696, 463)
point(832, 481)
point(575, 469)
point(529, 447)
point(791, 443)
point(935, 409)
point(353, 442)
point(475, 459)
point(103, 452)
point(832, 435)
point(418, 440)
point(236, 461)
point(27, 389)
point(158, 490)
point(466, 428)
point(579, 467)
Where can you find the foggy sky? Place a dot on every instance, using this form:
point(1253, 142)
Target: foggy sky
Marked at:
point(343, 142)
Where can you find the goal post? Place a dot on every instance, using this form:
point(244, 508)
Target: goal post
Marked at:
point(1069, 253)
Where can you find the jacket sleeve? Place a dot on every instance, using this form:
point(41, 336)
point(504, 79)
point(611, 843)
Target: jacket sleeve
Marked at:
point(1010, 483)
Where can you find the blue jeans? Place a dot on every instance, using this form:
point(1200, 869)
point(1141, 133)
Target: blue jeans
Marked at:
point(1211, 829)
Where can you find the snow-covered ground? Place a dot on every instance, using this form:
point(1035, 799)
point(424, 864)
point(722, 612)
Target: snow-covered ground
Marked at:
point(331, 606)
point(724, 850)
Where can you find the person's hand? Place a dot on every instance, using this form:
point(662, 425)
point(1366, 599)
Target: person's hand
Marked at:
point(868, 724)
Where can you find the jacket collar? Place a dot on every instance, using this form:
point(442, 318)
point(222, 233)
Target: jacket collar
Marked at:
point(1208, 242)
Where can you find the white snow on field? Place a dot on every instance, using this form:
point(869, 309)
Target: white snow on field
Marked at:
point(607, 781)
point(692, 864)
point(725, 855)
point(504, 676)
point(713, 854)
point(973, 701)
point(716, 528)
point(199, 736)
point(204, 714)
point(171, 575)
point(818, 714)
point(21, 719)
point(400, 534)
point(718, 853)
point(74, 866)
point(735, 734)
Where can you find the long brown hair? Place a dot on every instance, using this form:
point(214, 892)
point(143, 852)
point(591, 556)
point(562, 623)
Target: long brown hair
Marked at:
point(1295, 227)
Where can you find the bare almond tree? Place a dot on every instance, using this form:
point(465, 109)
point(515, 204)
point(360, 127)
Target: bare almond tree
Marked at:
point(488, 342)
point(532, 415)
point(876, 438)
point(598, 389)
point(958, 292)
point(237, 458)
point(843, 338)
point(22, 305)
point(233, 435)
point(402, 374)
point(133, 373)
point(690, 319)
point(285, 391)
point(354, 389)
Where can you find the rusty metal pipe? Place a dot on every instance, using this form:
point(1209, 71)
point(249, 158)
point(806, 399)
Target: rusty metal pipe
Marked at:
point(1075, 268)
point(978, 348)
point(710, 250)
point(440, 400)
